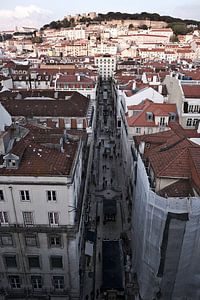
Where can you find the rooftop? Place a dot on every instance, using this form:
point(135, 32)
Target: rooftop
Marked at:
point(75, 105)
point(41, 153)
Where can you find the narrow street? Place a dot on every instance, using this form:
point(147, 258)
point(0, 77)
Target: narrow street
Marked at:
point(108, 213)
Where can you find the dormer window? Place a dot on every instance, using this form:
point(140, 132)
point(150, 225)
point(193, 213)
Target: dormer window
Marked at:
point(149, 116)
point(11, 161)
point(172, 116)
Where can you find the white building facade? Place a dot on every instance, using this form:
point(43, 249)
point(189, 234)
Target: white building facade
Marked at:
point(40, 235)
point(106, 65)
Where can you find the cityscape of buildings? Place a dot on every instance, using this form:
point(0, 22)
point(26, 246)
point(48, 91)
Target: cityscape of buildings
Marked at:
point(100, 162)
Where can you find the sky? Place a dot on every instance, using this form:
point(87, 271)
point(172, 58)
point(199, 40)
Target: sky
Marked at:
point(36, 13)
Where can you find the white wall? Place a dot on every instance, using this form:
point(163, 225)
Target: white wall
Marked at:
point(147, 93)
point(5, 118)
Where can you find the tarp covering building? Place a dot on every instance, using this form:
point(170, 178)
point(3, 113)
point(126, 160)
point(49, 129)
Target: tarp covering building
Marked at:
point(165, 243)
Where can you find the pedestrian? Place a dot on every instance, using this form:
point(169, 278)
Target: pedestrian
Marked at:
point(97, 293)
point(92, 295)
point(99, 256)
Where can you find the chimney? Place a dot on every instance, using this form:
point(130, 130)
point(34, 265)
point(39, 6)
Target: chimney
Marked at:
point(160, 89)
point(144, 78)
point(154, 78)
point(134, 85)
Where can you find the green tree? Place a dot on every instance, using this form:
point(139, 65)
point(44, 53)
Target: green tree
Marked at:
point(174, 39)
point(143, 27)
point(179, 28)
point(130, 27)
point(37, 39)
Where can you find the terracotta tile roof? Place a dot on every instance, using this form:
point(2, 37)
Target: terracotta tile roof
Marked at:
point(173, 162)
point(180, 131)
point(172, 155)
point(75, 106)
point(40, 160)
point(181, 188)
point(73, 78)
point(194, 74)
point(195, 167)
point(157, 109)
point(191, 91)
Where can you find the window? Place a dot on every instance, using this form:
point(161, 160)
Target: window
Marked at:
point(31, 240)
point(14, 281)
point(162, 121)
point(195, 121)
point(36, 282)
point(25, 195)
point(12, 163)
point(51, 195)
point(58, 282)
point(6, 240)
point(149, 116)
point(54, 241)
point(189, 122)
point(56, 262)
point(28, 218)
point(10, 261)
point(1, 195)
point(3, 217)
point(190, 109)
point(34, 261)
point(138, 130)
point(53, 218)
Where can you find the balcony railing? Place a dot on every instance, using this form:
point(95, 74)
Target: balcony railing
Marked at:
point(38, 228)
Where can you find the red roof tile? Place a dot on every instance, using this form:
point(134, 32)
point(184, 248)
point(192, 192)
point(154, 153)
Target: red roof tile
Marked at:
point(75, 106)
point(191, 91)
point(157, 109)
point(181, 188)
point(172, 155)
point(38, 159)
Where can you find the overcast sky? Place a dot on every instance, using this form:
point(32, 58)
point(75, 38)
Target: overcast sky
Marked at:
point(39, 12)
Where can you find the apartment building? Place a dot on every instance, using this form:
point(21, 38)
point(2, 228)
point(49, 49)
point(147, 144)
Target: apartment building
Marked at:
point(104, 48)
point(57, 109)
point(106, 65)
point(40, 209)
point(78, 82)
point(186, 95)
point(166, 211)
point(148, 117)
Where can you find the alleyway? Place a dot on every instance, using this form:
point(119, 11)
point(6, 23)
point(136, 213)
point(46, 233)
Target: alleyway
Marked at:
point(108, 216)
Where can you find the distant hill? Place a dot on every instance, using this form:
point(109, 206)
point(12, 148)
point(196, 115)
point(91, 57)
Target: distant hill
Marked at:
point(184, 26)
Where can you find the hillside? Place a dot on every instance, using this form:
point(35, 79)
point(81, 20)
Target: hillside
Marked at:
point(179, 26)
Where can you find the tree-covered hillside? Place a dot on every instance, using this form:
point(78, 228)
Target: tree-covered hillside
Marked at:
point(178, 25)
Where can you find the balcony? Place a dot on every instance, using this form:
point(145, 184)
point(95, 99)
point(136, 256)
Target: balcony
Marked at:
point(26, 293)
point(20, 228)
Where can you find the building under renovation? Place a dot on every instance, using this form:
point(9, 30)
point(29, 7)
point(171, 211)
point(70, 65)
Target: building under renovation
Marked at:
point(166, 216)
